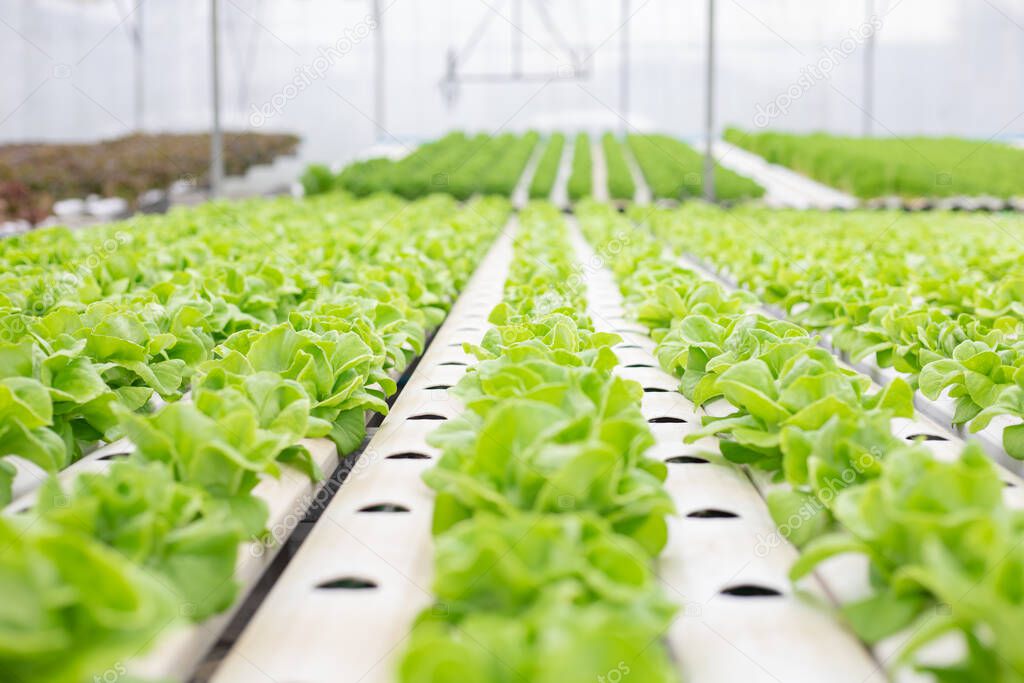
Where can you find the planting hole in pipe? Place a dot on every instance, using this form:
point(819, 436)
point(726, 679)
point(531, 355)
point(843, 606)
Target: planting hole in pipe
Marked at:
point(112, 456)
point(926, 437)
point(453, 362)
point(751, 590)
point(667, 420)
point(408, 455)
point(639, 365)
point(428, 416)
point(348, 583)
point(384, 507)
point(655, 390)
point(439, 387)
point(712, 513)
point(687, 460)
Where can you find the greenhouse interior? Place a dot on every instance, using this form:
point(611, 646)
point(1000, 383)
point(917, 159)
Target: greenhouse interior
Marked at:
point(512, 341)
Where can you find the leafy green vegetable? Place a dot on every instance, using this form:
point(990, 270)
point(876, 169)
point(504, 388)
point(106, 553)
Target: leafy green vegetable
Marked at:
point(71, 605)
point(502, 564)
point(546, 173)
point(547, 515)
point(908, 167)
point(581, 179)
point(943, 546)
point(569, 444)
point(937, 534)
point(935, 298)
point(184, 535)
point(674, 170)
point(501, 173)
point(555, 641)
point(95, 322)
point(317, 179)
point(456, 164)
point(275, 337)
point(620, 178)
point(331, 370)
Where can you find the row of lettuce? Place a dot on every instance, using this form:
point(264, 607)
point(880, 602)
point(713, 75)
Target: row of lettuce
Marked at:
point(581, 177)
point(675, 170)
point(458, 164)
point(548, 517)
point(913, 167)
point(281, 320)
point(943, 549)
point(463, 165)
point(621, 185)
point(935, 297)
point(546, 173)
point(916, 167)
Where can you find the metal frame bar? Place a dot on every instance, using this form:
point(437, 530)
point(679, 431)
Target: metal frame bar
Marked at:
point(709, 108)
point(216, 138)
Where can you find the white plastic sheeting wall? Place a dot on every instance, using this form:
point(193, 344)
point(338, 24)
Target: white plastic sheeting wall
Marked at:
point(943, 66)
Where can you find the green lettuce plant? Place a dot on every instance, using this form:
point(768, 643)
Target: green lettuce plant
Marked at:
point(547, 514)
point(262, 323)
point(72, 605)
point(908, 167)
point(674, 170)
point(941, 543)
point(620, 178)
point(186, 537)
point(544, 175)
point(581, 178)
point(933, 298)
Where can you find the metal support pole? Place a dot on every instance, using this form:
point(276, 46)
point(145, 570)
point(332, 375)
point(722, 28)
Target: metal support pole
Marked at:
point(139, 40)
point(709, 108)
point(624, 69)
point(216, 142)
point(517, 38)
point(379, 100)
point(869, 73)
